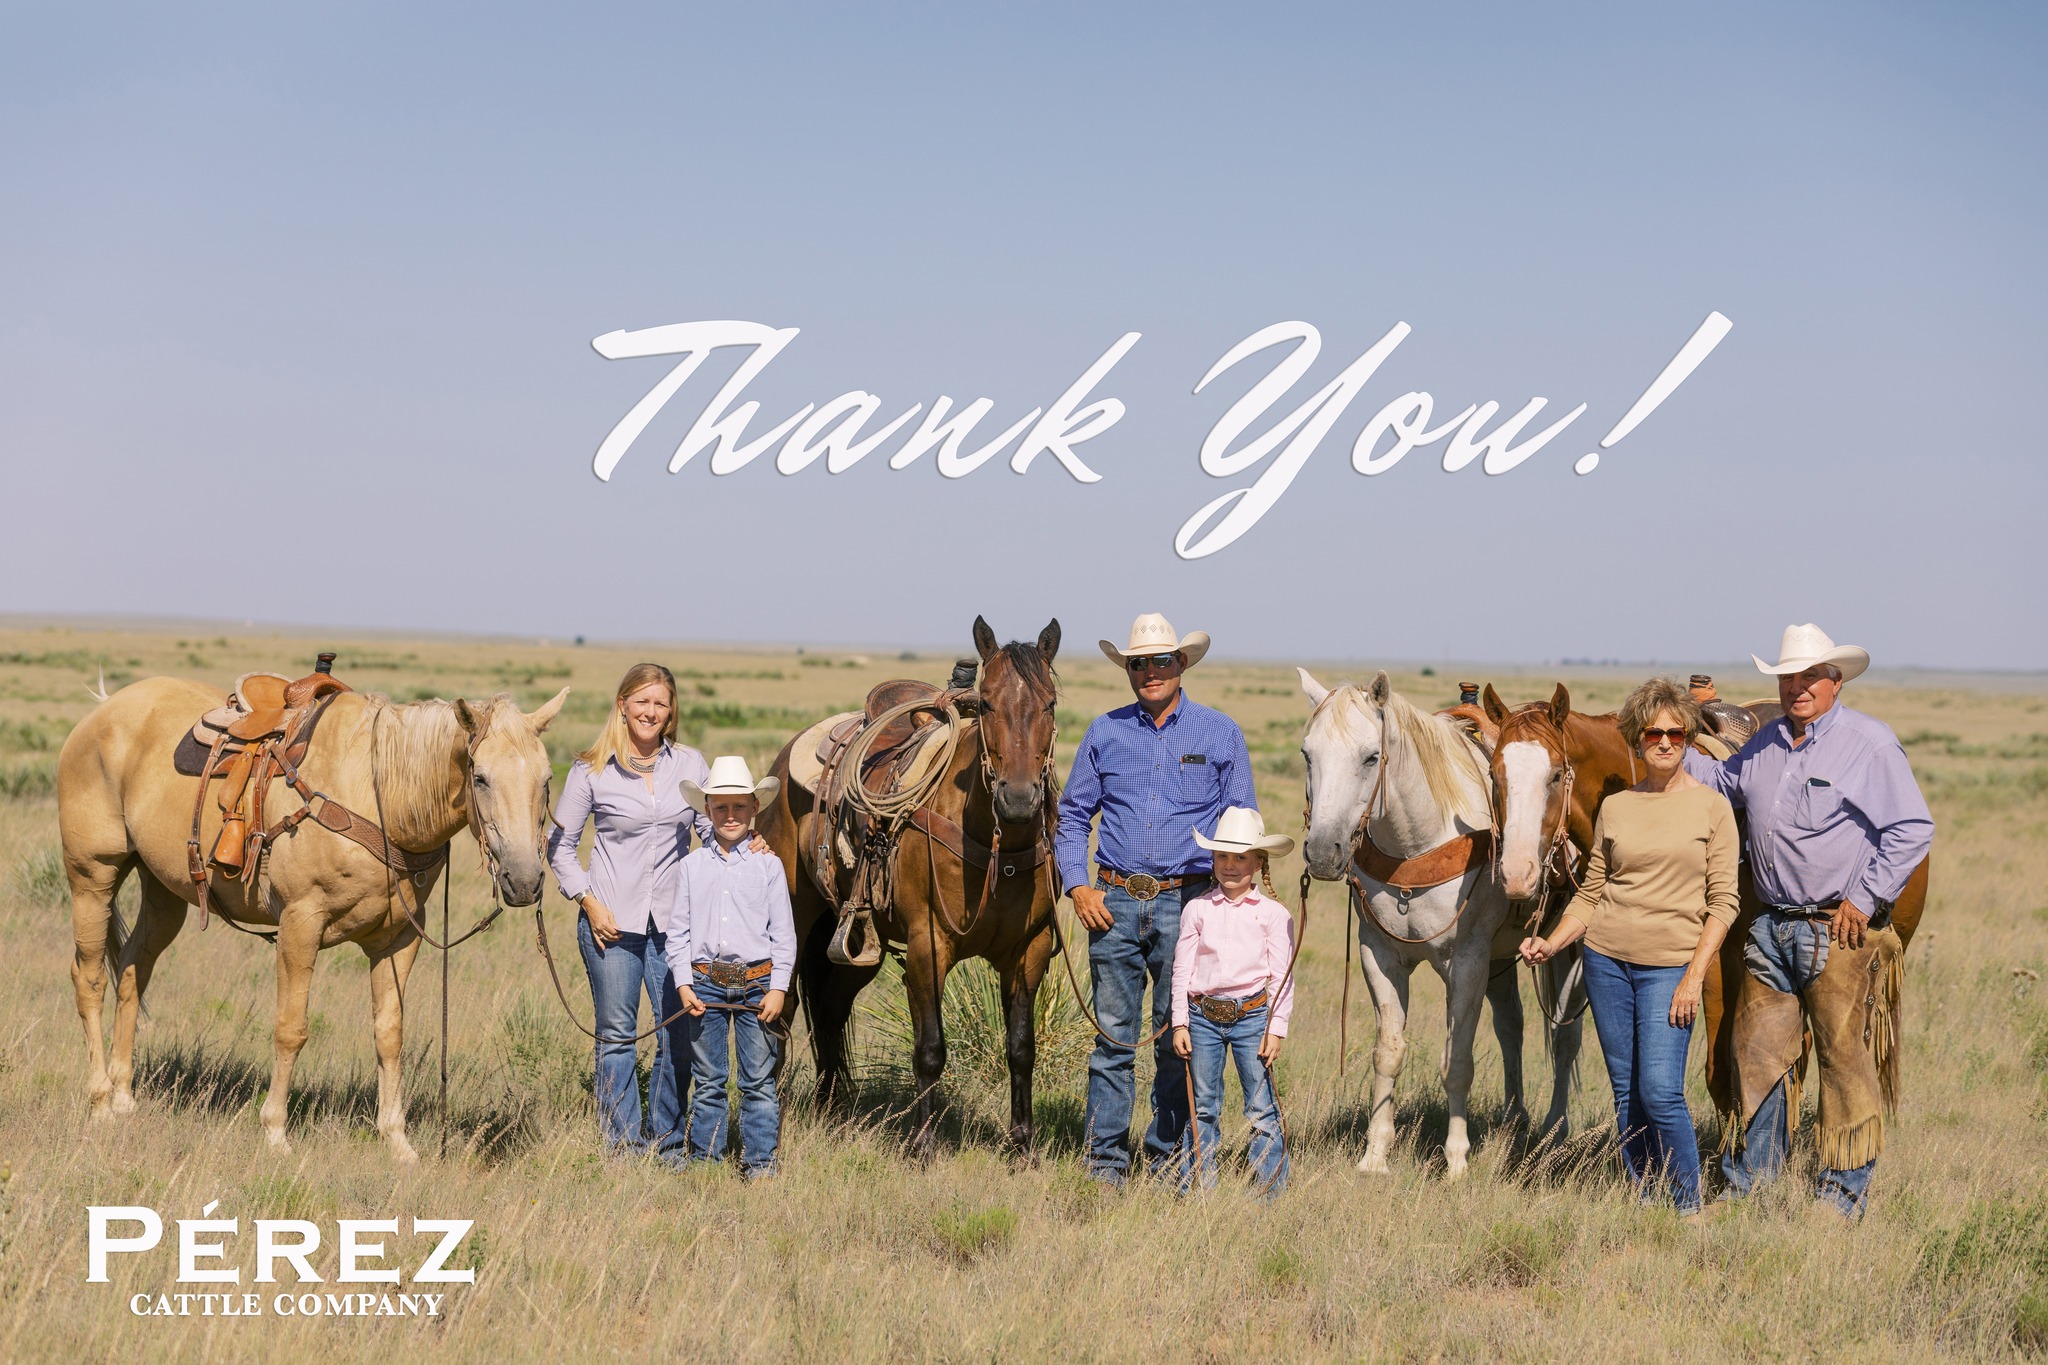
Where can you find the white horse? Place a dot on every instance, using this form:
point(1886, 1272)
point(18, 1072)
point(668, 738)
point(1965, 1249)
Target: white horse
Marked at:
point(1411, 783)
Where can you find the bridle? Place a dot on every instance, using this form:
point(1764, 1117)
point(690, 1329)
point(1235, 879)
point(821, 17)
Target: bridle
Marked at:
point(1555, 865)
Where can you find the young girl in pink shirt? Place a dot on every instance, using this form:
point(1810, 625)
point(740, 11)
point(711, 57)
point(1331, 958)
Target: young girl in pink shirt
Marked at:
point(1232, 997)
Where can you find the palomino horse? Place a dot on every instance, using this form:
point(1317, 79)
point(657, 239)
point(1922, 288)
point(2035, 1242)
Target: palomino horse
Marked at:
point(1385, 776)
point(950, 901)
point(1552, 767)
point(438, 767)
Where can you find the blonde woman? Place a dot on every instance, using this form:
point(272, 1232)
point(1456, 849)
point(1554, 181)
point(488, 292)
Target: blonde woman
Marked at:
point(1656, 901)
point(629, 784)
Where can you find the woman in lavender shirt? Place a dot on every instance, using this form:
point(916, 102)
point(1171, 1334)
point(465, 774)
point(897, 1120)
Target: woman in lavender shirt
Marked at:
point(629, 783)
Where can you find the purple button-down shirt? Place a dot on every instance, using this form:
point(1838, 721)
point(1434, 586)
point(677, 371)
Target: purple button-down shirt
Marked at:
point(1838, 818)
point(642, 835)
point(732, 907)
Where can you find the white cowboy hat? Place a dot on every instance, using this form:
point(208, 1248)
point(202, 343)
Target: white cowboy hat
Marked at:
point(1243, 830)
point(1804, 646)
point(730, 776)
point(1153, 634)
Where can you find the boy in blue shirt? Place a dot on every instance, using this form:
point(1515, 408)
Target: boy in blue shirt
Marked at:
point(731, 949)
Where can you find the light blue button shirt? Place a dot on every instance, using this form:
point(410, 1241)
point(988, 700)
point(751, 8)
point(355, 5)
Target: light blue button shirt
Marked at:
point(732, 907)
point(643, 831)
point(1838, 817)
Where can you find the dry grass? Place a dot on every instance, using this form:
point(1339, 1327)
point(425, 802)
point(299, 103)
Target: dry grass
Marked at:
point(855, 1252)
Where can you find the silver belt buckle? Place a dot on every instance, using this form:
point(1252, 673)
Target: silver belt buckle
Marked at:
point(1142, 886)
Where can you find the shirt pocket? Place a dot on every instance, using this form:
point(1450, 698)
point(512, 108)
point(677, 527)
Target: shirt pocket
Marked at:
point(1819, 805)
point(1199, 782)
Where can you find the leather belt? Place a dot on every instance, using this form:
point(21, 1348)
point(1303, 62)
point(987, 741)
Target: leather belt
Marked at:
point(730, 974)
point(1143, 886)
point(1224, 1012)
point(1804, 911)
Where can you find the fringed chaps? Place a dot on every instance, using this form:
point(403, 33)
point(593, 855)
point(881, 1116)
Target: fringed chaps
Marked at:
point(1850, 1021)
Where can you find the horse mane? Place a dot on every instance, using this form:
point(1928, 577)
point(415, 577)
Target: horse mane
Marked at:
point(1443, 751)
point(411, 746)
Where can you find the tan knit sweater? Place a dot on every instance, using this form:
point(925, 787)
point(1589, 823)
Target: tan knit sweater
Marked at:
point(1661, 863)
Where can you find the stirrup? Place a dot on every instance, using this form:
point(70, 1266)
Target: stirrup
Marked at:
point(842, 949)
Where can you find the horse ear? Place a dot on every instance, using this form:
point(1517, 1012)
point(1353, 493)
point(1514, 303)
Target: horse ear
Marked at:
point(1489, 701)
point(465, 714)
point(541, 719)
point(1380, 689)
point(984, 639)
point(1310, 688)
point(1560, 706)
point(1049, 639)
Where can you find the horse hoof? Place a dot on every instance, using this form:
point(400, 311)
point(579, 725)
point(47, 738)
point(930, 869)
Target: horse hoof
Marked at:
point(277, 1142)
point(402, 1152)
point(1374, 1163)
point(123, 1103)
point(1454, 1168)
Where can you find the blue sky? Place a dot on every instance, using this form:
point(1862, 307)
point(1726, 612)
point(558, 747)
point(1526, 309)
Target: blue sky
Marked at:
point(356, 257)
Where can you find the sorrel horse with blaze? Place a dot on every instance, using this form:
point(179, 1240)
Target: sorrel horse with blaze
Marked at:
point(1552, 767)
point(950, 903)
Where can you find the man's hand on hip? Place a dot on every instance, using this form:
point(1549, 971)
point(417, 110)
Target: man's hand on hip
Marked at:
point(1848, 925)
point(1091, 908)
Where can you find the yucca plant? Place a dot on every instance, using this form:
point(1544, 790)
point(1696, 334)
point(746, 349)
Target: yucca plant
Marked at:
point(977, 1057)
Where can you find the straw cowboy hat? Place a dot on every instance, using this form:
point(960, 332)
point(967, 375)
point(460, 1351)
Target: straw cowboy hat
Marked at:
point(1153, 634)
point(1804, 646)
point(1242, 830)
point(730, 776)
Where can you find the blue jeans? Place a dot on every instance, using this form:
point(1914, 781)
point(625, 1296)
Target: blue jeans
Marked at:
point(759, 1049)
point(1646, 1064)
point(1139, 942)
point(617, 976)
point(1211, 1045)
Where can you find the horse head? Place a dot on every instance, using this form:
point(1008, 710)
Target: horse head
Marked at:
point(508, 772)
point(1531, 789)
point(1342, 750)
point(1018, 694)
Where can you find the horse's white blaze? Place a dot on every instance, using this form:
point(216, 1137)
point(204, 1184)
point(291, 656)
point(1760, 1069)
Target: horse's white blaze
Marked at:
point(1527, 766)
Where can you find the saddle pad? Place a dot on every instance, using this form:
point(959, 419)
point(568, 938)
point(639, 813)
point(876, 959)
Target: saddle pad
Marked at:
point(1713, 746)
point(804, 767)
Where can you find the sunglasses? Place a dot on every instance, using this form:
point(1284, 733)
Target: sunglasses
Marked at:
point(1140, 664)
point(1652, 735)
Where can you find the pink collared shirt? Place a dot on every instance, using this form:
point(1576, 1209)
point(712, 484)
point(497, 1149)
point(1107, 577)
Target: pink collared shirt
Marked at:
point(1233, 949)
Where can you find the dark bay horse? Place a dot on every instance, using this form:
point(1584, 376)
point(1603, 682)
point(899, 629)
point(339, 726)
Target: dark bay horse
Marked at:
point(1573, 762)
point(950, 900)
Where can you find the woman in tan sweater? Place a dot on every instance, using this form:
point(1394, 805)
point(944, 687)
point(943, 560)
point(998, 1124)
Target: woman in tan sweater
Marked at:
point(1656, 901)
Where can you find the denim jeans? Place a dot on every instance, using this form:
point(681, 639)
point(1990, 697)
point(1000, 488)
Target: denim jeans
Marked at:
point(1786, 952)
point(1138, 943)
point(1763, 1156)
point(717, 1034)
point(1212, 1045)
point(618, 974)
point(1646, 1064)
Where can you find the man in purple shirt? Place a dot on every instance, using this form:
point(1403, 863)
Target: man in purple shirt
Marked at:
point(1836, 824)
point(1153, 771)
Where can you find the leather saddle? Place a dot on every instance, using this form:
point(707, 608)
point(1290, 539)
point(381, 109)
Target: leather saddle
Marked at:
point(260, 732)
point(893, 751)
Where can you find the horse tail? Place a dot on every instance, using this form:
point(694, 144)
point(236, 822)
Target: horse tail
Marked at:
point(99, 694)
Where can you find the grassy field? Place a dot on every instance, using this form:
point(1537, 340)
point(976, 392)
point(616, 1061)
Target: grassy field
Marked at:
point(857, 1253)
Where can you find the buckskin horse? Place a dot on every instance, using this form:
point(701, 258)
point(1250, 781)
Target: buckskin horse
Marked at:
point(1552, 767)
point(968, 873)
point(1397, 808)
point(430, 768)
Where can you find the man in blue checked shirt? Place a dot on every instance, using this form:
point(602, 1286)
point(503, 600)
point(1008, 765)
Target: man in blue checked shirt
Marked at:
point(1154, 771)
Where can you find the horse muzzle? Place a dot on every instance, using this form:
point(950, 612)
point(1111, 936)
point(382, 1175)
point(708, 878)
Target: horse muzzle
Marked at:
point(1016, 802)
point(520, 888)
point(1521, 877)
point(1327, 856)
